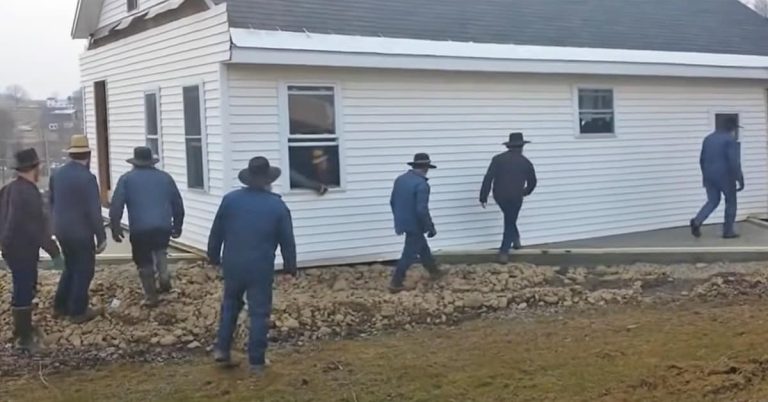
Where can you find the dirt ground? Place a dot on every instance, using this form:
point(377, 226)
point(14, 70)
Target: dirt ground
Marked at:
point(672, 351)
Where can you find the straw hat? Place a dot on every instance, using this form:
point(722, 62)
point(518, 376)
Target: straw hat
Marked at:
point(78, 144)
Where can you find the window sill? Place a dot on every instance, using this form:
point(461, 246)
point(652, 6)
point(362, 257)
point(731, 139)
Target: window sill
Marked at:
point(596, 136)
point(301, 191)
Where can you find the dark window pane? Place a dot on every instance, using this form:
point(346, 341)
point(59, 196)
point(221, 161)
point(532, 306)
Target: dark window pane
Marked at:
point(154, 145)
point(311, 113)
point(132, 4)
point(192, 111)
point(311, 166)
point(195, 177)
point(596, 123)
point(595, 99)
point(150, 114)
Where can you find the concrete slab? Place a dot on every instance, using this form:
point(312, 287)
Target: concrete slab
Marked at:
point(121, 253)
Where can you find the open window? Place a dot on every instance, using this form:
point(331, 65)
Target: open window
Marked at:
point(313, 136)
point(194, 136)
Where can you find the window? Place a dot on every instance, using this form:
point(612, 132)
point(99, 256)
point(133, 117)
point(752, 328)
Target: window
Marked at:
point(53, 126)
point(193, 136)
point(313, 140)
point(720, 119)
point(152, 122)
point(596, 114)
point(132, 5)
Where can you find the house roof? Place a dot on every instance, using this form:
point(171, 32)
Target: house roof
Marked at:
point(702, 26)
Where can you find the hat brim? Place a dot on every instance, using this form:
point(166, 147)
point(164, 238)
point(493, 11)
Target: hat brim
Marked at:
point(515, 144)
point(422, 164)
point(30, 165)
point(249, 179)
point(78, 150)
point(136, 162)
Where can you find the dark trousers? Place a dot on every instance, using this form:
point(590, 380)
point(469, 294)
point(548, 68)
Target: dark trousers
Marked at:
point(416, 247)
point(714, 193)
point(259, 296)
point(23, 266)
point(511, 210)
point(79, 265)
point(145, 244)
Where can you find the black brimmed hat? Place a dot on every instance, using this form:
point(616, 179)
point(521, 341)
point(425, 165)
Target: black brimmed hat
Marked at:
point(516, 140)
point(259, 172)
point(142, 157)
point(422, 160)
point(26, 159)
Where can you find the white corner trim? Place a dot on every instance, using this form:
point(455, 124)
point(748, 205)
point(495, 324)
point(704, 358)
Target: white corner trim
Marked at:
point(266, 47)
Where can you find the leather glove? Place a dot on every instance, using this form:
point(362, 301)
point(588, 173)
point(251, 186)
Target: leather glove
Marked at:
point(117, 235)
point(101, 247)
point(175, 234)
point(432, 233)
point(58, 262)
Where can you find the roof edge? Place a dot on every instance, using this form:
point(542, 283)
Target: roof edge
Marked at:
point(349, 45)
point(86, 18)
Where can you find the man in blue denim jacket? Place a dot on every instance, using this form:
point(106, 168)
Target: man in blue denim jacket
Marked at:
point(721, 170)
point(249, 225)
point(410, 207)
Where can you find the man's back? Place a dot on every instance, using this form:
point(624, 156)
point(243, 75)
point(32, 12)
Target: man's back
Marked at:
point(512, 174)
point(251, 224)
point(151, 198)
point(75, 203)
point(720, 161)
point(409, 202)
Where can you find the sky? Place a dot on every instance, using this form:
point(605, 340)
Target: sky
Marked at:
point(36, 48)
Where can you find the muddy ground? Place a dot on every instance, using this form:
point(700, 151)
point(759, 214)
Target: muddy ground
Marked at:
point(485, 333)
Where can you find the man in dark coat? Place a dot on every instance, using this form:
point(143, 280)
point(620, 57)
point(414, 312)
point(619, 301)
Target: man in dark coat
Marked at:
point(721, 170)
point(24, 229)
point(410, 208)
point(513, 178)
point(79, 228)
point(249, 225)
point(155, 215)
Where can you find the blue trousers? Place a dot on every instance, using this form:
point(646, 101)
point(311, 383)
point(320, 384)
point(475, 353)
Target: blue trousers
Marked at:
point(23, 266)
point(415, 248)
point(511, 210)
point(79, 265)
point(714, 193)
point(259, 296)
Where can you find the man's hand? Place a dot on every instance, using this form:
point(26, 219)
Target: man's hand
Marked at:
point(101, 247)
point(292, 271)
point(58, 262)
point(175, 234)
point(483, 204)
point(322, 190)
point(432, 233)
point(740, 186)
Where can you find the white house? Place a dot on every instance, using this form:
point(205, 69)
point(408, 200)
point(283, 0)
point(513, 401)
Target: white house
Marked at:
point(615, 95)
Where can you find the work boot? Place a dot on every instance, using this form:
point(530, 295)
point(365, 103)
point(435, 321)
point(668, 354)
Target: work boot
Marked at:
point(516, 245)
point(257, 370)
point(147, 276)
point(503, 258)
point(23, 332)
point(224, 359)
point(731, 236)
point(695, 229)
point(89, 315)
point(396, 288)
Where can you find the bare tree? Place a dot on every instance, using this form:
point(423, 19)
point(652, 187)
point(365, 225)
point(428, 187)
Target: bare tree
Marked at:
point(17, 93)
point(761, 6)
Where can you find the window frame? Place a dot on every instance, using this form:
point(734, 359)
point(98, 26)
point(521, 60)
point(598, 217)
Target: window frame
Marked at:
point(200, 84)
point(130, 10)
point(158, 113)
point(285, 128)
point(577, 111)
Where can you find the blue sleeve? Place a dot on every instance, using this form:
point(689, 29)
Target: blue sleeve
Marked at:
point(216, 237)
point(94, 209)
point(117, 205)
point(485, 190)
point(177, 206)
point(287, 242)
point(531, 181)
point(422, 206)
point(733, 151)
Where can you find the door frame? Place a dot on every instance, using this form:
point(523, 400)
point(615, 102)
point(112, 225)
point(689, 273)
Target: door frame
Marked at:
point(101, 114)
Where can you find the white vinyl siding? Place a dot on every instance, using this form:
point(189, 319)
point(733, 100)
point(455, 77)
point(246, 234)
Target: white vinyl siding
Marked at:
point(168, 58)
point(646, 178)
point(114, 10)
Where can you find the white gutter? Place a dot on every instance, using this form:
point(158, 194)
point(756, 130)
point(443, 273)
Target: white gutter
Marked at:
point(292, 48)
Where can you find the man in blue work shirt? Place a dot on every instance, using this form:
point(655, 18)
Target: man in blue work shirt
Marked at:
point(249, 225)
point(410, 208)
point(721, 170)
point(79, 228)
point(155, 215)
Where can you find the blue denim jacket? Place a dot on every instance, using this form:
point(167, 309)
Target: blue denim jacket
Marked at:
point(75, 204)
point(410, 203)
point(152, 199)
point(721, 160)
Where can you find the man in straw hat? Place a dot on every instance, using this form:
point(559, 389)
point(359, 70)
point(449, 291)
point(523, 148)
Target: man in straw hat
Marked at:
point(249, 225)
point(513, 178)
point(722, 176)
point(24, 229)
point(155, 215)
point(79, 228)
point(410, 208)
